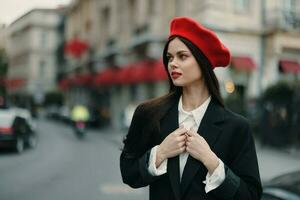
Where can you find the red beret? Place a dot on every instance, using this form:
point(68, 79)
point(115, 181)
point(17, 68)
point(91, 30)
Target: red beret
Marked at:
point(205, 39)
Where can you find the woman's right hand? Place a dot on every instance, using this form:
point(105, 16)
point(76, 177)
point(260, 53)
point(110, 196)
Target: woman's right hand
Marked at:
point(172, 145)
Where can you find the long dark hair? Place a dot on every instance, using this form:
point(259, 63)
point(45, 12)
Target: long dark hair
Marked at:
point(156, 108)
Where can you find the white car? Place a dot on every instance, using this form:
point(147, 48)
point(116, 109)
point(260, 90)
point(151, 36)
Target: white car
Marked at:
point(17, 129)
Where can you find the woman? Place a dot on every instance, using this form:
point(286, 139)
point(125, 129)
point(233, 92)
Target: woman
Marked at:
point(186, 144)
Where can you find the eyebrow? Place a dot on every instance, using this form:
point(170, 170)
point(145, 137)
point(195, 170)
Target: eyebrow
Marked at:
point(178, 52)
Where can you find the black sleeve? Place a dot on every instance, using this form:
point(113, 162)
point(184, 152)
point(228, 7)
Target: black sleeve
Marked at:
point(242, 179)
point(133, 163)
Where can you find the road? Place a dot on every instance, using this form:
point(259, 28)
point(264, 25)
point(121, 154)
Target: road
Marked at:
point(65, 168)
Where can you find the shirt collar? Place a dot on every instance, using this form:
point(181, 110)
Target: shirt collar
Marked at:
point(197, 113)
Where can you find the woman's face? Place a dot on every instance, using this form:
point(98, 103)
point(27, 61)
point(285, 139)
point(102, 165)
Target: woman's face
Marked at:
point(182, 65)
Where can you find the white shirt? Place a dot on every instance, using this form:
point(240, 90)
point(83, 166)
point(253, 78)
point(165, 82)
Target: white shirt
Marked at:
point(190, 120)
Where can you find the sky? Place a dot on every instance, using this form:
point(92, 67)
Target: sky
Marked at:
point(10, 10)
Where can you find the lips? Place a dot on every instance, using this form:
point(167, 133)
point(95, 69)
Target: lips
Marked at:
point(175, 75)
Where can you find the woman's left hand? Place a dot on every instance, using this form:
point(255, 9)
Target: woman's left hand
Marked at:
point(198, 148)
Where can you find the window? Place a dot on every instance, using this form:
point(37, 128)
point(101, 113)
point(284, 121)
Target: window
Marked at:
point(289, 5)
point(88, 25)
point(42, 68)
point(241, 6)
point(105, 23)
point(151, 10)
point(44, 38)
point(132, 6)
point(290, 13)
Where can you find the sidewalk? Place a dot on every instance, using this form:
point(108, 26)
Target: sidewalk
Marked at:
point(272, 161)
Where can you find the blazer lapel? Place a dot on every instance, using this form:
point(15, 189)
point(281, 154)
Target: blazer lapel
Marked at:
point(168, 124)
point(209, 131)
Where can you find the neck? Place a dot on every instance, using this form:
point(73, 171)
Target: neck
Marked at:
point(194, 96)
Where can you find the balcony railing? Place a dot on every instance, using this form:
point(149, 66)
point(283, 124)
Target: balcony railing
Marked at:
point(282, 19)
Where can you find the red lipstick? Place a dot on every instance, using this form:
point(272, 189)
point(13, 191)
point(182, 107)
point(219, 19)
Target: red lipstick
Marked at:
point(175, 75)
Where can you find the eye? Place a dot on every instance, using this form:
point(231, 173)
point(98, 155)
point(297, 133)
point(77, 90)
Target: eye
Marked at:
point(169, 58)
point(183, 56)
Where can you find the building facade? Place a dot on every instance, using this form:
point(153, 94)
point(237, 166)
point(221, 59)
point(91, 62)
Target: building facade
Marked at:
point(81, 35)
point(32, 44)
point(3, 63)
point(263, 37)
point(3, 36)
point(281, 41)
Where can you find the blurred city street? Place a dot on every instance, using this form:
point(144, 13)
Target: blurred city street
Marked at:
point(63, 167)
point(92, 62)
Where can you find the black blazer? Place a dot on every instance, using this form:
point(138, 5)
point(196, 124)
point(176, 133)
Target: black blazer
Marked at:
point(229, 137)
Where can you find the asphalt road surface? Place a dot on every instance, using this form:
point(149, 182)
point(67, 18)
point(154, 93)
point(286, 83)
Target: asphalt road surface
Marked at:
point(62, 167)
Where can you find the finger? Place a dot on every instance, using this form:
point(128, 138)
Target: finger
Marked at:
point(180, 131)
point(189, 133)
point(181, 138)
point(186, 136)
point(188, 149)
point(194, 133)
point(182, 149)
point(189, 139)
point(181, 144)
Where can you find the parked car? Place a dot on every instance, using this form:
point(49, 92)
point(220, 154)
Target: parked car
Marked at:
point(64, 114)
point(52, 112)
point(284, 187)
point(17, 129)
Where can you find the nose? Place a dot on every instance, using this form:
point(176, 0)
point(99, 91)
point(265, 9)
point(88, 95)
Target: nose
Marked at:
point(173, 64)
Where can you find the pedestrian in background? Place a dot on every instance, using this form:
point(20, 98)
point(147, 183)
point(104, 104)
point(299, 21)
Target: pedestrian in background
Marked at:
point(80, 113)
point(186, 144)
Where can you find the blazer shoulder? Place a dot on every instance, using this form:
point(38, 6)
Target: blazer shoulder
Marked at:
point(236, 118)
point(141, 109)
point(240, 129)
point(143, 112)
point(149, 107)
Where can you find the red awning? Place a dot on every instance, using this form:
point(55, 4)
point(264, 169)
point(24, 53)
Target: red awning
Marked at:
point(14, 83)
point(78, 80)
point(64, 84)
point(243, 63)
point(289, 66)
point(124, 75)
point(143, 71)
point(106, 77)
point(146, 71)
point(82, 79)
point(76, 47)
point(159, 72)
